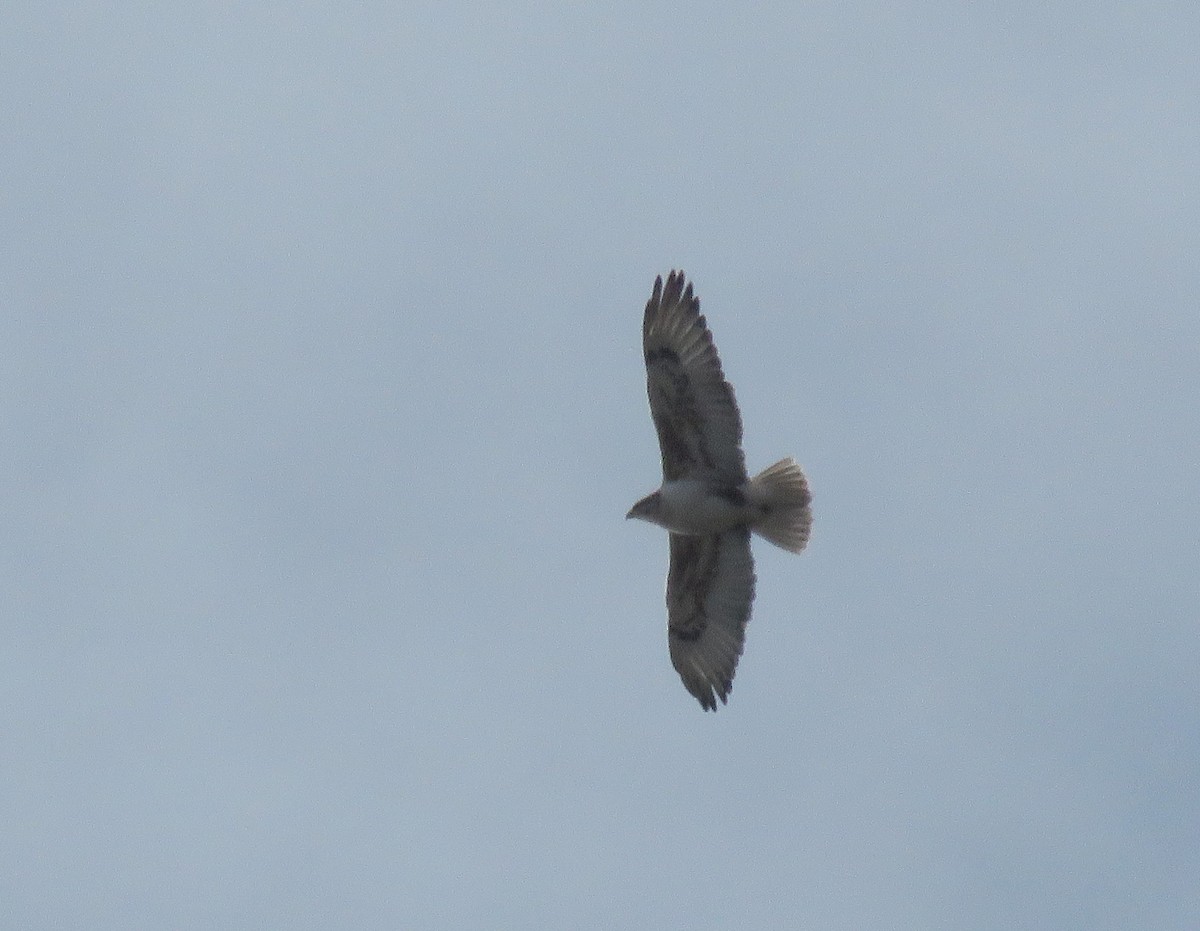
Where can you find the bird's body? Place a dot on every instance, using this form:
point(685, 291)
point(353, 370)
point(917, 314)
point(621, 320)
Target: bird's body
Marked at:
point(706, 500)
point(694, 507)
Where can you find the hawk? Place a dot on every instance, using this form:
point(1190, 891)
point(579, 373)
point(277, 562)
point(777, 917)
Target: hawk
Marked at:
point(706, 500)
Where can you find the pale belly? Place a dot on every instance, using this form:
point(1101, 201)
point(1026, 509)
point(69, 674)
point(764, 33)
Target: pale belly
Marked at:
point(689, 507)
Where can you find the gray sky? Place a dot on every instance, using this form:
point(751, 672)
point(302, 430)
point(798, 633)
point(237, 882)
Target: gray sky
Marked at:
point(324, 405)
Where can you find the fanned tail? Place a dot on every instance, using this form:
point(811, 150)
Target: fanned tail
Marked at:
point(781, 496)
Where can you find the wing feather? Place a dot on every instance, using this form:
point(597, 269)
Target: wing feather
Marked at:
point(693, 407)
point(710, 588)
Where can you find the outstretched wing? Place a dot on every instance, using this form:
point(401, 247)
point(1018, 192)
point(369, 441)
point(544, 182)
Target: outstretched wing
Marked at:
point(710, 587)
point(699, 427)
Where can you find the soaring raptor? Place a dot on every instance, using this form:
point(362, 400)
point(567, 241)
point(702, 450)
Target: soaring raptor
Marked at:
point(706, 500)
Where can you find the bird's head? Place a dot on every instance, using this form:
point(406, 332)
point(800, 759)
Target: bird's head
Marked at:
point(648, 508)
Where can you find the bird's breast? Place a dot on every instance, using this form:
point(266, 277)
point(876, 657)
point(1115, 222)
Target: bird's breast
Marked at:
point(697, 508)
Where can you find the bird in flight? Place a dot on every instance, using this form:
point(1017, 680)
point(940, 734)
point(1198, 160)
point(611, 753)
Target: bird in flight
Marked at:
point(706, 500)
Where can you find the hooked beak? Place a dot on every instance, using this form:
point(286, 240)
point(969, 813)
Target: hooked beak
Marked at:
point(644, 509)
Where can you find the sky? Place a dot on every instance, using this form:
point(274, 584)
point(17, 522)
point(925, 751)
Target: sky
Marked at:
point(323, 404)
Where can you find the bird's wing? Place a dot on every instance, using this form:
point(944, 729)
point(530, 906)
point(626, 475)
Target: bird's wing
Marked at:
point(710, 587)
point(694, 411)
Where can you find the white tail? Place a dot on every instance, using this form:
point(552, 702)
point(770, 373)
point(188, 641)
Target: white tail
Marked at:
point(780, 495)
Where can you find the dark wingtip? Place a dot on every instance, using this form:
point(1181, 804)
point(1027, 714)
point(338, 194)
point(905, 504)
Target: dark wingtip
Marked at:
point(677, 289)
point(708, 700)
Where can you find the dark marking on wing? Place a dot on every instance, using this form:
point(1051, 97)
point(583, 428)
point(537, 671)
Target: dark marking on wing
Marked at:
point(731, 494)
point(662, 354)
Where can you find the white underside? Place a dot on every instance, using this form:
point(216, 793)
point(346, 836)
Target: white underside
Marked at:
point(689, 507)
